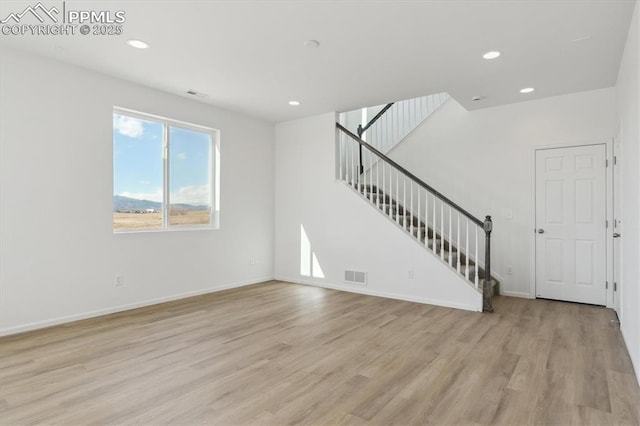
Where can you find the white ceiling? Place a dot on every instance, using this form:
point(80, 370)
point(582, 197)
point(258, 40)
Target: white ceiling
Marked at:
point(248, 56)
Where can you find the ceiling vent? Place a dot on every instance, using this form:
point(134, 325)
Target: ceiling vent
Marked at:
point(194, 93)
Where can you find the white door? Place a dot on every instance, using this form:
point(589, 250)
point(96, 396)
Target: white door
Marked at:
point(571, 224)
point(617, 225)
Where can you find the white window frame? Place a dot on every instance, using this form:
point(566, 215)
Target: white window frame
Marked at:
point(214, 162)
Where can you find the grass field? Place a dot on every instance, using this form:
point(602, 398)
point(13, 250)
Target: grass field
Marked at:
point(154, 220)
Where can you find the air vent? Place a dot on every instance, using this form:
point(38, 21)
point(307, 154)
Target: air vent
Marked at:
point(355, 277)
point(194, 93)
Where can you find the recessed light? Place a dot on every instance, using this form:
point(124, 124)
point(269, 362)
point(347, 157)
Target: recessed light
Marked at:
point(527, 90)
point(492, 54)
point(312, 43)
point(138, 44)
point(294, 103)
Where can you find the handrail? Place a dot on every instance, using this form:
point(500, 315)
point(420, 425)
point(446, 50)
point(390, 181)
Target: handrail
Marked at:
point(411, 175)
point(361, 129)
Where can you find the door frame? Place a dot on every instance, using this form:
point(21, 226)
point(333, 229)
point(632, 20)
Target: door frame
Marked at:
point(617, 190)
point(608, 145)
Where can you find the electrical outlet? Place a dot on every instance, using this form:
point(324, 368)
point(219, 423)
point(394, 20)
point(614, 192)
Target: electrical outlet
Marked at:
point(410, 273)
point(252, 260)
point(119, 281)
point(509, 270)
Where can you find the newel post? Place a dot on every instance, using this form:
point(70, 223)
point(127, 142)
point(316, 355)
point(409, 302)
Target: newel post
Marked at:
point(487, 290)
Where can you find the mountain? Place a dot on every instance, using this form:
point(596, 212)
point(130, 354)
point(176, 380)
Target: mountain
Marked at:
point(125, 204)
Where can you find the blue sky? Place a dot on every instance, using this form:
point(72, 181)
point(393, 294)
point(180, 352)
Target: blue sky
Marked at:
point(137, 161)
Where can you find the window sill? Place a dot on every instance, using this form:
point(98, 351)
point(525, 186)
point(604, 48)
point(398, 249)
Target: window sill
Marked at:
point(162, 230)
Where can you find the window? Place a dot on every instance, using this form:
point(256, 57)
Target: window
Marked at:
point(165, 174)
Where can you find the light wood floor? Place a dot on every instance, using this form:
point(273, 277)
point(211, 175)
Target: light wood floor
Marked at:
point(282, 354)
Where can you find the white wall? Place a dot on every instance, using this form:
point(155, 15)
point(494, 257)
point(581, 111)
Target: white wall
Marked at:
point(628, 90)
point(344, 231)
point(58, 253)
point(483, 160)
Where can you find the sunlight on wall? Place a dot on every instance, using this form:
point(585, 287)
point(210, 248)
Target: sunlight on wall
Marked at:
point(309, 265)
point(316, 269)
point(305, 253)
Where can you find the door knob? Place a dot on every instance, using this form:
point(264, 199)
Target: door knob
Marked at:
point(540, 231)
point(616, 235)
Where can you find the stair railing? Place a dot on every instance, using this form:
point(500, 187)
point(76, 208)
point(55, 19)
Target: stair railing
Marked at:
point(361, 129)
point(428, 215)
point(397, 119)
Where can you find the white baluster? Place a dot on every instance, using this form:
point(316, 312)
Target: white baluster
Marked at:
point(401, 120)
point(347, 168)
point(426, 218)
point(404, 200)
point(411, 204)
point(442, 229)
point(363, 175)
point(395, 121)
point(476, 259)
point(391, 194)
point(371, 137)
point(405, 112)
point(387, 128)
point(369, 171)
point(353, 160)
point(377, 183)
point(410, 120)
point(450, 240)
point(419, 216)
point(340, 142)
point(366, 174)
point(433, 247)
point(466, 251)
point(384, 186)
point(397, 197)
point(458, 243)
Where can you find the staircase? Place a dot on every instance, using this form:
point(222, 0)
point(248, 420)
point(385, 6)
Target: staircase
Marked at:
point(442, 227)
point(416, 227)
point(389, 124)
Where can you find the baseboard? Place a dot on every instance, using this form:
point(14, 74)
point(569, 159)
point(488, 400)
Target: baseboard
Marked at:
point(635, 365)
point(369, 292)
point(515, 294)
point(70, 318)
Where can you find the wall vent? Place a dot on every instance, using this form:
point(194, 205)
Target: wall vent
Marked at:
point(355, 277)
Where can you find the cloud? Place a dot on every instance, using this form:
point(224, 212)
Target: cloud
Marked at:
point(182, 156)
point(128, 126)
point(195, 195)
point(151, 196)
